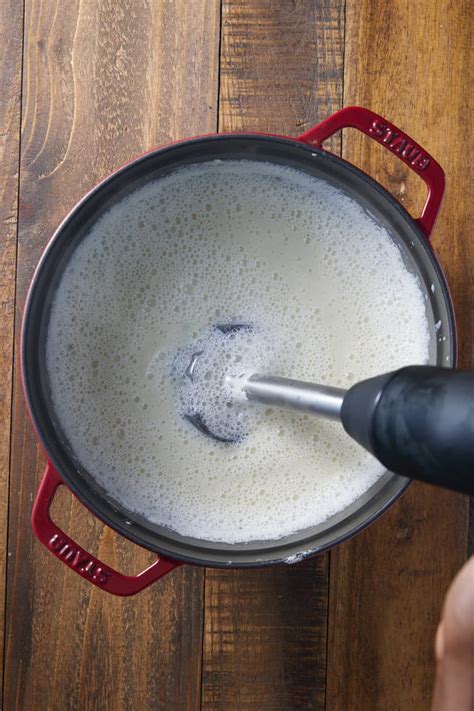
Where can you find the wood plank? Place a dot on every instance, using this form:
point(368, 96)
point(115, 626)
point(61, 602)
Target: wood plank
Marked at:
point(103, 81)
point(265, 638)
point(409, 63)
point(265, 630)
point(11, 47)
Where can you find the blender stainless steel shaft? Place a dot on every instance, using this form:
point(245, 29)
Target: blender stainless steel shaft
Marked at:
point(295, 394)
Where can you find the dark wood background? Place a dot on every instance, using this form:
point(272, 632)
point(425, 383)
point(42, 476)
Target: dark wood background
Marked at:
point(85, 86)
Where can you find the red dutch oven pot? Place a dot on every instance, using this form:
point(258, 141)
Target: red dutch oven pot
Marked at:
point(63, 468)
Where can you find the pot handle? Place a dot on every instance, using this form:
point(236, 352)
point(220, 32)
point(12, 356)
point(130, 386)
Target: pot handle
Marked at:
point(74, 556)
point(397, 142)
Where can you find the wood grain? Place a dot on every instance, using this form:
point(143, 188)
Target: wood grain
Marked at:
point(265, 631)
point(11, 46)
point(411, 64)
point(103, 81)
point(265, 638)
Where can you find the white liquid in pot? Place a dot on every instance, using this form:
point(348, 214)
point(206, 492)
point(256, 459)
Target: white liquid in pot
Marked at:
point(329, 298)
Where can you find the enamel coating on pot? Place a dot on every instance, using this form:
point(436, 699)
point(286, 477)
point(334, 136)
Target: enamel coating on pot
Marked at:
point(306, 154)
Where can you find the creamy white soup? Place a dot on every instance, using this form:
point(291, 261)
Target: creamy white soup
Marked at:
point(327, 296)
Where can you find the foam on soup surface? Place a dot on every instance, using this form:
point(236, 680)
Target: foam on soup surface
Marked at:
point(329, 300)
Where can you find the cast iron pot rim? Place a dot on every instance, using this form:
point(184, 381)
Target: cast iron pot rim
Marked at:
point(70, 481)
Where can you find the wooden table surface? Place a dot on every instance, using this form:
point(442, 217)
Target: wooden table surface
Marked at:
point(85, 86)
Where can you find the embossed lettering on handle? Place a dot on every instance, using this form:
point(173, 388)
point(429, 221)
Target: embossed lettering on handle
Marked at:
point(63, 547)
point(395, 141)
point(400, 145)
point(78, 559)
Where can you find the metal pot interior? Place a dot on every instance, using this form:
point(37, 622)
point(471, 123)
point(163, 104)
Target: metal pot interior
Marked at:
point(418, 258)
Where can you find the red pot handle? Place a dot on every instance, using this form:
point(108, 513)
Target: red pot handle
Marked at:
point(395, 140)
point(76, 557)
